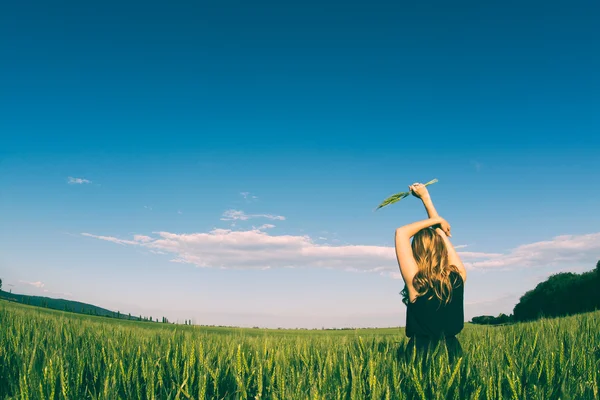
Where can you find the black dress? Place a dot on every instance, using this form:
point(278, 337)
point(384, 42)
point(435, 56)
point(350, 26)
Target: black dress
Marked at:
point(429, 321)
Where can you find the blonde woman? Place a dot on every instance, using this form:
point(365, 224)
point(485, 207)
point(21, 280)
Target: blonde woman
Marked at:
point(434, 278)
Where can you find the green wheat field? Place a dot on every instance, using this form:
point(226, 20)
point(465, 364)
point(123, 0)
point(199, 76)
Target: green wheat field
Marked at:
point(46, 354)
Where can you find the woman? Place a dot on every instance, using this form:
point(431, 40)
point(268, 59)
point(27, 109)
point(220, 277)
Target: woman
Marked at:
point(434, 279)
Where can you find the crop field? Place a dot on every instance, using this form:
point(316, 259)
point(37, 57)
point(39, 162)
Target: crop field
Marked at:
point(47, 354)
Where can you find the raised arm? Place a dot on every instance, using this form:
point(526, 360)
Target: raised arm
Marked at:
point(410, 230)
point(420, 191)
point(406, 260)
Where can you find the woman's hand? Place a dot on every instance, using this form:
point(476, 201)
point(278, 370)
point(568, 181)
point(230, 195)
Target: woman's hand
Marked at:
point(444, 227)
point(419, 190)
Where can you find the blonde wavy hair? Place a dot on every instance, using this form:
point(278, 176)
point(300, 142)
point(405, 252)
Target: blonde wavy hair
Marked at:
point(431, 255)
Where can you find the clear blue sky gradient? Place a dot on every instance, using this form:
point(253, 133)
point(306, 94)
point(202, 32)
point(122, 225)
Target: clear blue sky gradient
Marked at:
point(320, 110)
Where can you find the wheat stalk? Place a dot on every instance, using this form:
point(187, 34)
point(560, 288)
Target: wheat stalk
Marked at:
point(399, 196)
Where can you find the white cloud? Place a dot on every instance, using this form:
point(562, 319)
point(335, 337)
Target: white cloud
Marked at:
point(77, 181)
point(562, 250)
point(265, 226)
point(110, 239)
point(36, 284)
point(393, 275)
point(142, 238)
point(234, 215)
point(256, 249)
point(148, 208)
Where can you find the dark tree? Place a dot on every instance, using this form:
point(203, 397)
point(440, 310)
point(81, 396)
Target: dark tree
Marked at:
point(490, 320)
point(502, 319)
point(561, 294)
point(0, 284)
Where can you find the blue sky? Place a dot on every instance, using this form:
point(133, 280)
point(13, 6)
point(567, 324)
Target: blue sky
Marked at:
point(221, 162)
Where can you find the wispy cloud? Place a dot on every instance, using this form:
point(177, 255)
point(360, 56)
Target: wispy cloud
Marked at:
point(77, 181)
point(142, 238)
point(248, 196)
point(565, 250)
point(235, 215)
point(36, 284)
point(148, 208)
point(257, 249)
point(265, 226)
point(110, 239)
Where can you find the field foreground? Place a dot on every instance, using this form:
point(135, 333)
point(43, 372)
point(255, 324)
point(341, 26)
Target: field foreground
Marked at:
point(53, 355)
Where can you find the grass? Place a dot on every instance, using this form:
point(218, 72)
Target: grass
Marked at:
point(52, 355)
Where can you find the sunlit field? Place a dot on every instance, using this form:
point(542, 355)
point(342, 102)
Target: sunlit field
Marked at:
point(47, 354)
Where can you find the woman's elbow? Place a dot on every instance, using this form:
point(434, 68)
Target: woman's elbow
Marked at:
point(401, 236)
point(402, 232)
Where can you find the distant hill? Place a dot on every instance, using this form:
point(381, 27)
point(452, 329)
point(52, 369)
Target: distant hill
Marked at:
point(65, 305)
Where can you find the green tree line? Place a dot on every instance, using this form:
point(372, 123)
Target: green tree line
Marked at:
point(562, 294)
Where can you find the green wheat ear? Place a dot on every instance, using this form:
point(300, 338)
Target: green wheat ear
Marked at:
point(399, 196)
